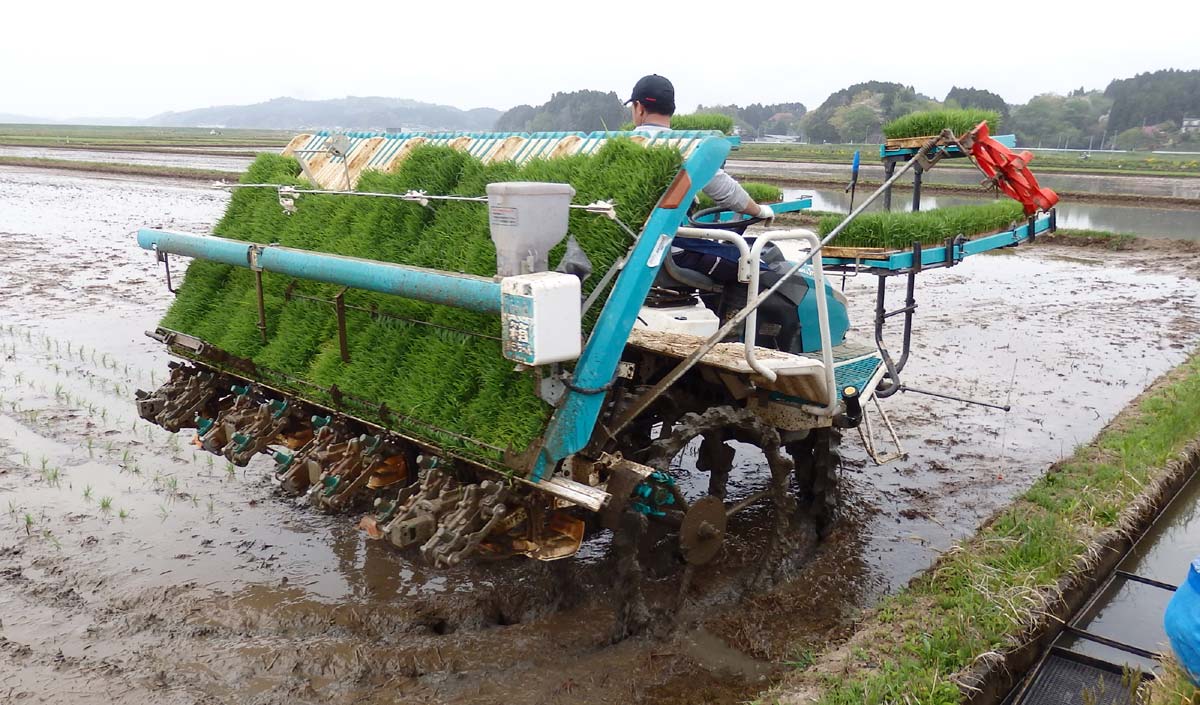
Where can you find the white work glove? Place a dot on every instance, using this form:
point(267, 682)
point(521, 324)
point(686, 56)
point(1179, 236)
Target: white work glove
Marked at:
point(765, 212)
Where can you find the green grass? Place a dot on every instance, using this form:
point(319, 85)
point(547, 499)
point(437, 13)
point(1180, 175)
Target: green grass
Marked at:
point(451, 380)
point(1171, 687)
point(899, 230)
point(176, 172)
point(985, 595)
point(932, 122)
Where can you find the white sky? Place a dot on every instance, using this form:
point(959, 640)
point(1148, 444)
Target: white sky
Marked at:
point(132, 58)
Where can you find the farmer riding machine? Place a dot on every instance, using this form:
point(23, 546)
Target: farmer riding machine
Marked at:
point(511, 386)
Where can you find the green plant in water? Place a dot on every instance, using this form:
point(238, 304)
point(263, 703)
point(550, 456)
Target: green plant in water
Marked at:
point(106, 504)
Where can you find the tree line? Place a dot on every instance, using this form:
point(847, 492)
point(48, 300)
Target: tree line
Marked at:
point(1143, 112)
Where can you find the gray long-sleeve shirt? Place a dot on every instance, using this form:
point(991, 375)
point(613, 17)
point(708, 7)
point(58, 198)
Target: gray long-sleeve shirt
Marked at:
point(723, 189)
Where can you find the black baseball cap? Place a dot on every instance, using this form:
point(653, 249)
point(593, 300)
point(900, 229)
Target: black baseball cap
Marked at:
point(654, 92)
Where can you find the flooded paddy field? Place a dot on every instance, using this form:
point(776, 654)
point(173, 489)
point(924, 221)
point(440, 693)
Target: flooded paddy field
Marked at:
point(134, 567)
point(210, 159)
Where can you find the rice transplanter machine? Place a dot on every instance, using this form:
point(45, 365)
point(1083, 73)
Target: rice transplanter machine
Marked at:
point(673, 356)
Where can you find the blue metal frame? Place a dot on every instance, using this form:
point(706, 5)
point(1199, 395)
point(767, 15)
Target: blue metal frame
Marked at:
point(571, 427)
point(450, 288)
point(898, 261)
point(1009, 141)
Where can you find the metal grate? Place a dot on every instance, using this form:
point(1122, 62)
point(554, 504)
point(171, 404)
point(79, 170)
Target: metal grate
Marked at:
point(1064, 681)
point(856, 374)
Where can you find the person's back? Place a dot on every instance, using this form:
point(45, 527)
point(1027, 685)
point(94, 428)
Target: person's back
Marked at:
point(653, 104)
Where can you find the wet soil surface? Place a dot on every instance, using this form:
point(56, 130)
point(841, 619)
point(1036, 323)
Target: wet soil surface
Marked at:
point(207, 160)
point(134, 568)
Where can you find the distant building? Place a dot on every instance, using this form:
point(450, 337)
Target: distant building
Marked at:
point(1191, 124)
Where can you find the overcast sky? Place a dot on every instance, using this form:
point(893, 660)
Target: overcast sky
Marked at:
point(123, 58)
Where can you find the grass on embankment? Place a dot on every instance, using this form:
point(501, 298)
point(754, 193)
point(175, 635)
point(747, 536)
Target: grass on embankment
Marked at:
point(990, 595)
point(176, 172)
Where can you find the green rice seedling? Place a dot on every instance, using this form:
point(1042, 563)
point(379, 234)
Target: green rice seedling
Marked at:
point(123, 514)
point(164, 512)
point(900, 230)
point(28, 523)
point(760, 192)
point(12, 508)
point(106, 504)
point(393, 362)
point(932, 122)
point(45, 463)
point(230, 469)
point(49, 536)
point(87, 493)
point(703, 121)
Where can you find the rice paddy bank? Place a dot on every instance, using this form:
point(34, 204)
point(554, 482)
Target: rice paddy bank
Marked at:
point(170, 172)
point(966, 628)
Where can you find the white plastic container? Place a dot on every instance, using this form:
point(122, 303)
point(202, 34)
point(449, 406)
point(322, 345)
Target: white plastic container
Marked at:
point(695, 319)
point(540, 317)
point(527, 219)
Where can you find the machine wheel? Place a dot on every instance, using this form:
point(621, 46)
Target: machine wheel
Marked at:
point(716, 425)
point(818, 463)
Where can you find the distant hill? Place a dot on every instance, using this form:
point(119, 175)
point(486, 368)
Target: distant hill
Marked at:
point(361, 113)
point(13, 118)
point(857, 113)
point(1152, 98)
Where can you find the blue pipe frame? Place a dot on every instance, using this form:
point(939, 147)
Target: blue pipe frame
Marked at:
point(448, 288)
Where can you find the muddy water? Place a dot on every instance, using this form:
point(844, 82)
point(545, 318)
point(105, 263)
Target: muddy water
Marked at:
point(1156, 221)
point(181, 159)
point(133, 568)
